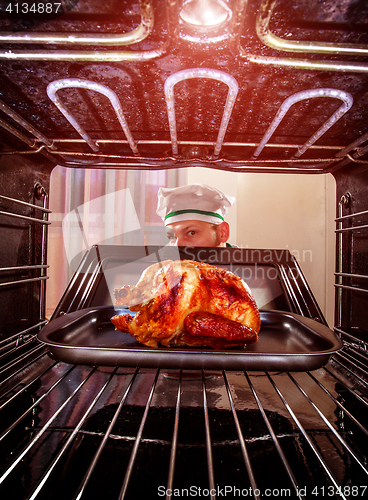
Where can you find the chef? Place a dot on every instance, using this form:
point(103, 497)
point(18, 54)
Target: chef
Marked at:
point(194, 215)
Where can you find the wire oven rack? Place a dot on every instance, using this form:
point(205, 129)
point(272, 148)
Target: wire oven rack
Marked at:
point(73, 431)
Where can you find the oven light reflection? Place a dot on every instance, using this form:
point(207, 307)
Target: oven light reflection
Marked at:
point(204, 13)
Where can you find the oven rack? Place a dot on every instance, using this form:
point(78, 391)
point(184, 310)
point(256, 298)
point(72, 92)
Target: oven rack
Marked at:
point(299, 412)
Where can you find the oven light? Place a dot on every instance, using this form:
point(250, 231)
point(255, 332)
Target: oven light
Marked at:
point(204, 13)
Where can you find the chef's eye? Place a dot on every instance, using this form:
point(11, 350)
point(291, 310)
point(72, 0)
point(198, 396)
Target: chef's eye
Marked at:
point(192, 233)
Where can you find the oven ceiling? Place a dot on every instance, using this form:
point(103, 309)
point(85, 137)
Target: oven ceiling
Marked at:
point(144, 89)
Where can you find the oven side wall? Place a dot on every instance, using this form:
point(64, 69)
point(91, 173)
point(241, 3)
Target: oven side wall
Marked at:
point(351, 317)
point(21, 242)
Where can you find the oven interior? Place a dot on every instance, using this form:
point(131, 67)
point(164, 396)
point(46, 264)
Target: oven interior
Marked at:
point(273, 87)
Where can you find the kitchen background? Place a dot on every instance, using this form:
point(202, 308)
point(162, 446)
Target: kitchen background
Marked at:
point(295, 212)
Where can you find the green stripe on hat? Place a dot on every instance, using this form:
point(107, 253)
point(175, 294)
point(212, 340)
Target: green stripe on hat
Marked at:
point(192, 211)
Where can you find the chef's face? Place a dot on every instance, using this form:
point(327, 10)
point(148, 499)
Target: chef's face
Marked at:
point(197, 233)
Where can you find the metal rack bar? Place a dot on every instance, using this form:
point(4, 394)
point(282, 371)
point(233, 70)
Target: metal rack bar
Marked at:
point(341, 406)
point(351, 275)
point(243, 446)
point(360, 344)
point(26, 125)
point(27, 280)
point(351, 372)
point(95, 276)
point(349, 216)
point(74, 280)
point(97, 455)
point(361, 356)
point(353, 228)
point(47, 473)
point(25, 217)
point(353, 362)
point(14, 395)
point(45, 427)
point(274, 439)
point(5, 125)
point(137, 441)
point(210, 471)
point(14, 350)
point(23, 332)
point(311, 296)
point(23, 367)
point(340, 274)
point(20, 359)
point(305, 435)
point(31, 205)
point(342, 202)
point(82, 287)
point(24, 268)
point(351, 391)
point(174, 444)
point(285, 279)
point(8, 346)
point(352, 145)
point(330, 426)
point(71, 438)
point(42, 298)
point(353, 288)
point(36, 403)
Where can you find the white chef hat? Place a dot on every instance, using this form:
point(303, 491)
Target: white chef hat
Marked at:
point(193, 202)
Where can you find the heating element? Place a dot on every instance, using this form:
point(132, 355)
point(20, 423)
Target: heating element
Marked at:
point(129, 131)
point(76, 155)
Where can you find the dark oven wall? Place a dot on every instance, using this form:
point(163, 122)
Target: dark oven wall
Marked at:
point(23, 226)
point(352, 256)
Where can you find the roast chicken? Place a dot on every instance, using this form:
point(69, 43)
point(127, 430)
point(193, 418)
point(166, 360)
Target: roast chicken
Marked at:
point(188, 303)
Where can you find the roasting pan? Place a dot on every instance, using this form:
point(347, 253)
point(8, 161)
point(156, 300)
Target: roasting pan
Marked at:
point(287, 341)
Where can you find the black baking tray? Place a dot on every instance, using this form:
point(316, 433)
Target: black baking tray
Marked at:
point(287, 342)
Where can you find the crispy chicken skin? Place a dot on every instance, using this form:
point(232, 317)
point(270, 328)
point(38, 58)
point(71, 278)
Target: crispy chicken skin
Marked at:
point(188, 303)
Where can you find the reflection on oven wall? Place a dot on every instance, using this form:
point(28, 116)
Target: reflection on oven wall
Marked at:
point(295, 212)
